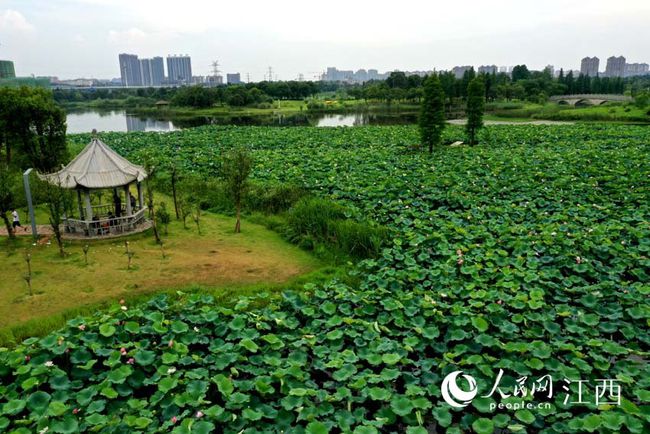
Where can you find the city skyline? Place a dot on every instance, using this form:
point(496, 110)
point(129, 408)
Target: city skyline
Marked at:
point(62, 40)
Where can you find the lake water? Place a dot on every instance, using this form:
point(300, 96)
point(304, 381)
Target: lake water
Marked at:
point(120, 120)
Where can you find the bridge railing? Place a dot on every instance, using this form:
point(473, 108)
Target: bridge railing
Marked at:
point(606, 97)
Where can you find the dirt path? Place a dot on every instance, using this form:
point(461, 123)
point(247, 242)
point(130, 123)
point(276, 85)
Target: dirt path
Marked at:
point(541, 122)
point(27, 230)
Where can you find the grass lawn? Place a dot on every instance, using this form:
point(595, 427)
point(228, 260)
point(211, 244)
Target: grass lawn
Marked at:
point(217, 260)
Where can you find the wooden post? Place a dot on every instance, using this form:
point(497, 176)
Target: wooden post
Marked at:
point(140, 196)
point(89, 208)
point(127, 198)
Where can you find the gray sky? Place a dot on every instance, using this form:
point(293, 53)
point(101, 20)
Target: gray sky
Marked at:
point(82, 38)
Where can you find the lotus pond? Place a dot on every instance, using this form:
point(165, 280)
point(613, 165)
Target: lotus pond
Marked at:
point(527, 254)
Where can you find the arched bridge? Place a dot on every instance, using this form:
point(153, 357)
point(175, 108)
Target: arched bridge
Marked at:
point(588, 99)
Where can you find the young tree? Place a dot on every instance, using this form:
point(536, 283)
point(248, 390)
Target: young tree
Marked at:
point(236, 167)
point(7, 197)
point(58, 202)
point(163, 216)
point(475, 108)
point(432, 112)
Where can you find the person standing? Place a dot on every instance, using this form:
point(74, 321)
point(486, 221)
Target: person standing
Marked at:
point(16, 220)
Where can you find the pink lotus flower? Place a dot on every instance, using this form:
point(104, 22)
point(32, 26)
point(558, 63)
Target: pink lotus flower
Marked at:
point(578, 260)
point(130, 361)
point(199, 414)
point(123, 351)
point(122, 301)
point(174, 419)
point(75, 411)
point(460, 261)
point(82, 327)
point(27, 358)
point(500, 302)
point(171, 343)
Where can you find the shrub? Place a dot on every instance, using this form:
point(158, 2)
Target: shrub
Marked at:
point(319, 221)
point(273, 199)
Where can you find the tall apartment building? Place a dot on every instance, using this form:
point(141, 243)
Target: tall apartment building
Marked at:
point(633, 69)
point(130, 70)
point(615, 66)
point(459, 71)
point(589, 66)
point(179, 69)
point(233, 78)
point(145, 72)
point(152, 71)
point(488, 69)
point(157, 71)
point(7, 69)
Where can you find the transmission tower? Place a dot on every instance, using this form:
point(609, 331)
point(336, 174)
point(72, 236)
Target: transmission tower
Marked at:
point(215, 68)
point(248, 77)
point(270, 74)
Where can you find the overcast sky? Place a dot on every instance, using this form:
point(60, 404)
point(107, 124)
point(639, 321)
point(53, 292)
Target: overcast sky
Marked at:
point(82, 38)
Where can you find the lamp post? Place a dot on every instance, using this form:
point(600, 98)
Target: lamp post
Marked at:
point(28, 194)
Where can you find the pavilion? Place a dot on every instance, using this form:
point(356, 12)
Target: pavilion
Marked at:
point(98, 167)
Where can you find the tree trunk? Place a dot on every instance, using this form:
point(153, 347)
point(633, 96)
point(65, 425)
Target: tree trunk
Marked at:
point(154, 226)
point(174, 193)
point(10, 229)
point(238, 224)
point(59, 241)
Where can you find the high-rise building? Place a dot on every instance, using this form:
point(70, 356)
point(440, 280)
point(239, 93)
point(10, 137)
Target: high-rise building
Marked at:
point(179, 69)
point(7, 69)
point(130, 70)
point(487, 69)
point(157, 71)
point(589, 66)
point(459, 71)
point(145, 72)
point(633, 69)
point(615, 66)
point(233, 78)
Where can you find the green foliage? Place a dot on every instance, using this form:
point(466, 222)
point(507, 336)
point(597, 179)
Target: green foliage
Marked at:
point(313, 221)
point(432, 113)
point(32, 128)
point(8, 193)
point(163, 216)
point(475, 108)
point(235, 168)
point(530, 254)
point(642, 100)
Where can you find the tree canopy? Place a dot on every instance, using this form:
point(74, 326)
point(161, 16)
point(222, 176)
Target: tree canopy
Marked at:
point(432, 112)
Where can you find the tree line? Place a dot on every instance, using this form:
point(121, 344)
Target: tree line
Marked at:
point(200, 96)
point(520, 84)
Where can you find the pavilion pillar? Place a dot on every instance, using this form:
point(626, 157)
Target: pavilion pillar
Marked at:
point(127, 198)
point(81, 208)
point(140, 196)
point(89, 208)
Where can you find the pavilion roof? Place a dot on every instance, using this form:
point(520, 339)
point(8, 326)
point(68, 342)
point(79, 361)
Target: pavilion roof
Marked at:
point(97, 166)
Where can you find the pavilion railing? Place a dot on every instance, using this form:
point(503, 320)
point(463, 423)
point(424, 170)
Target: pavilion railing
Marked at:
point(105, 226)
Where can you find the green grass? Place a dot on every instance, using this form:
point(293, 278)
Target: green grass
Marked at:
point(610, 112)
point(218, 261)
